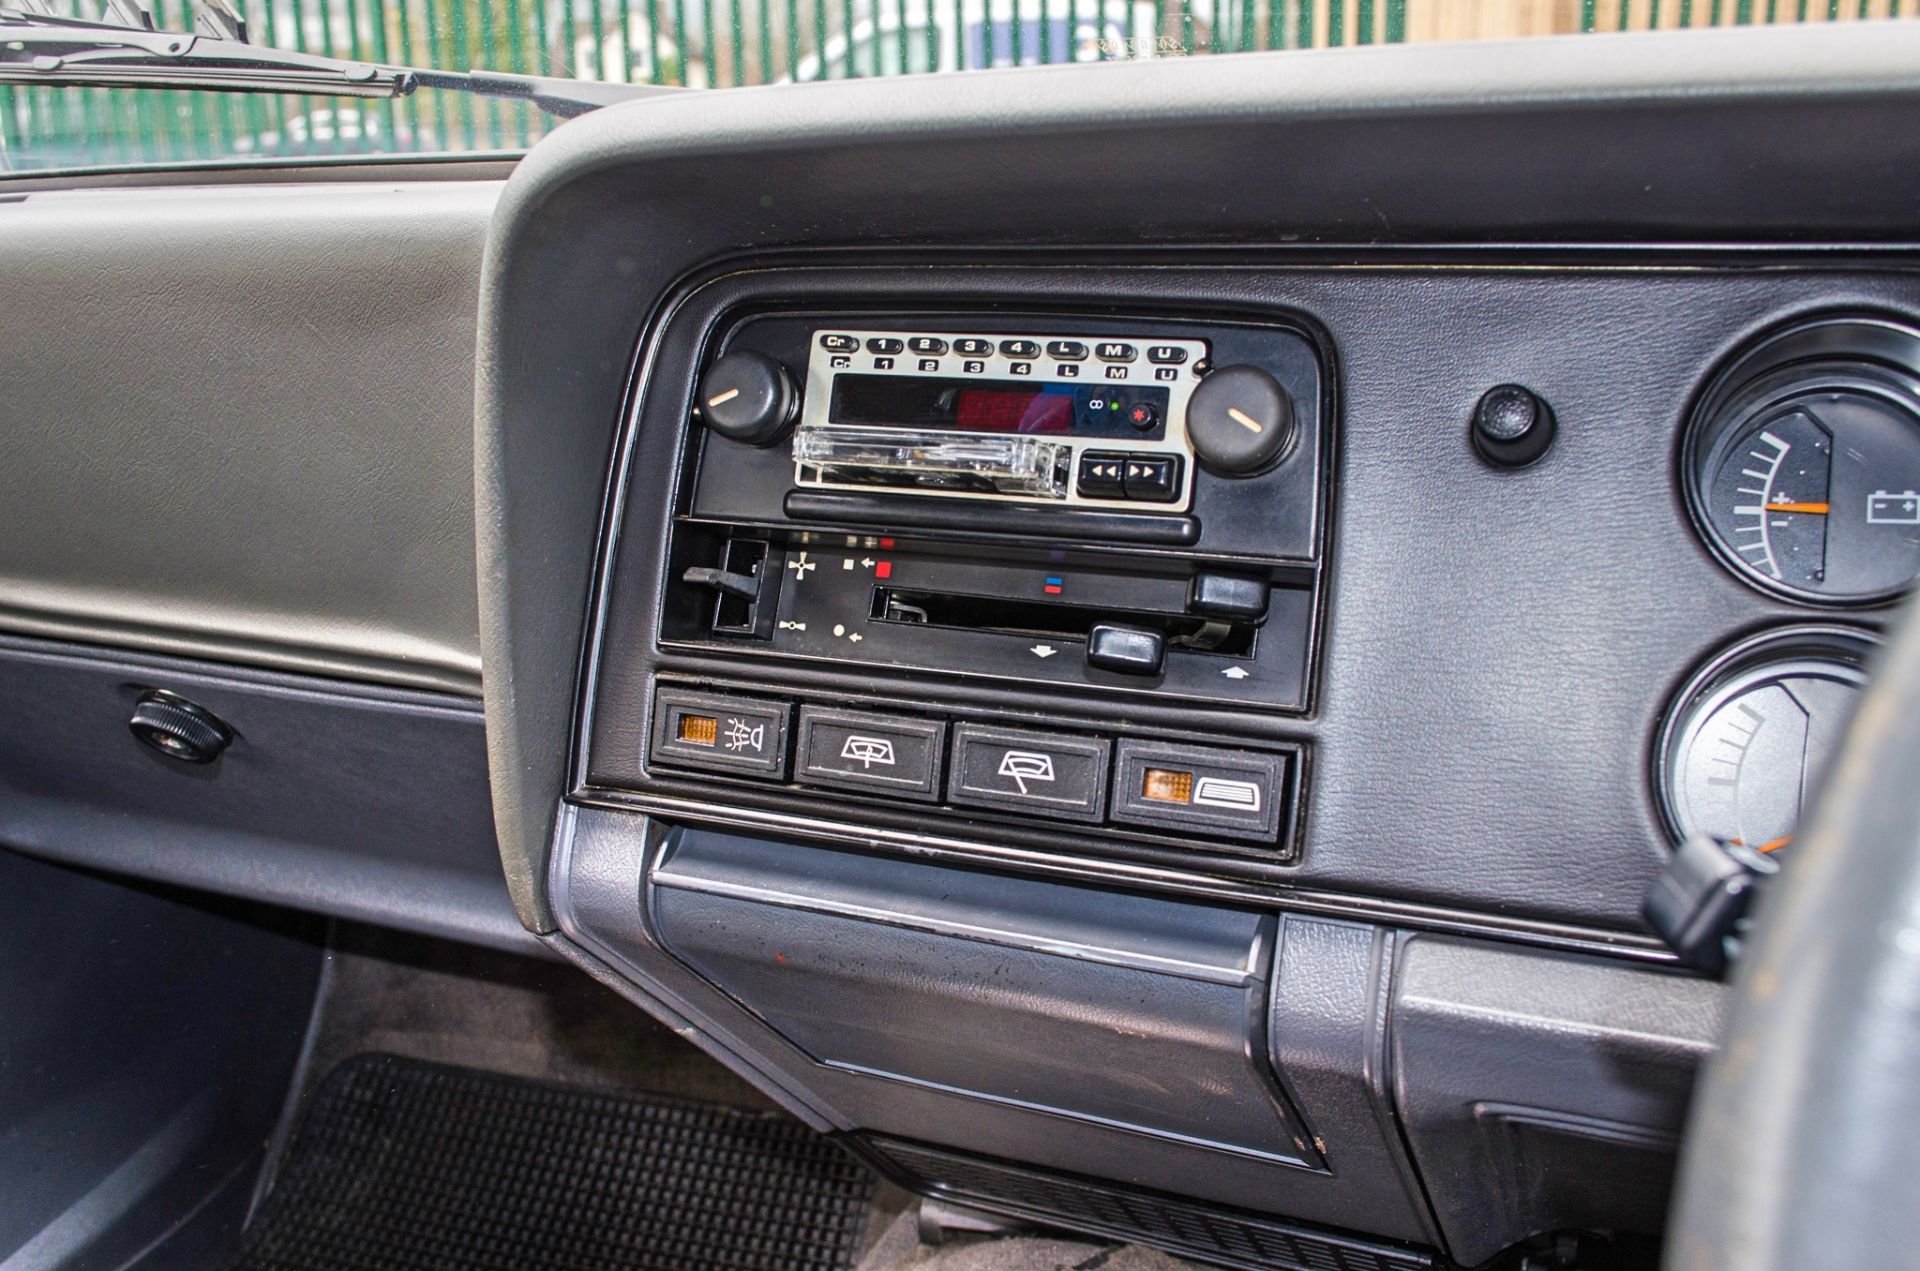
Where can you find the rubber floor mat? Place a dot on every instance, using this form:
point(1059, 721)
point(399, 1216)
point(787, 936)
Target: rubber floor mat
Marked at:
point(399, 1165)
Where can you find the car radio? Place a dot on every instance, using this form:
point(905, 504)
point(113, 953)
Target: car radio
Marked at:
point(1029, 417)
point(1096, 420)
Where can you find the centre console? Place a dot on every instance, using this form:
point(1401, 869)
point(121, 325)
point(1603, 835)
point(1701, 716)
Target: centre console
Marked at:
point(936, 571)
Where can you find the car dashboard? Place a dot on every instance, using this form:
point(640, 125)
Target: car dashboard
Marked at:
point(1146, 695)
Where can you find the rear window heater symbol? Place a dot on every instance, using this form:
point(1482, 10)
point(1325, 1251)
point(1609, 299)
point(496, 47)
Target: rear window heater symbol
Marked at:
point(1219, 792)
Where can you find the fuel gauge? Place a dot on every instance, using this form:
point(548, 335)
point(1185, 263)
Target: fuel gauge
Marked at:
point(1747, 741)
point(1805, 462)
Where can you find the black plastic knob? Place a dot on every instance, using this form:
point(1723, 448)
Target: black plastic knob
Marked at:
point(179, 729)
point(1128, 650)
point(1512, 427)
point(747, 397)
point(1240, 421)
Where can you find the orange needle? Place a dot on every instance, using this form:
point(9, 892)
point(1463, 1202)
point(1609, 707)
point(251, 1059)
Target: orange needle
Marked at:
point(1818, 509)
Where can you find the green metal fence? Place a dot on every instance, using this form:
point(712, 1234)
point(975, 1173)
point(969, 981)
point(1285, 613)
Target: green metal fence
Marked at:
point(715, 43)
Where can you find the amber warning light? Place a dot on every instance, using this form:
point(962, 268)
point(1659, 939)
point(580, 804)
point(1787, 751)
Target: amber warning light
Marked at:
point(1164, 785)
point(700, 730)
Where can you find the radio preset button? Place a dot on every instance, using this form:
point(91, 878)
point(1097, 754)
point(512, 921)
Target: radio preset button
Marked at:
point(1114, 351)
point(839, 343)
point(1153, 478)
point(1067, 351)
point(969, 346)
point(1020, 348)
point(884, 344)
point(927, 345)
point(1103, 474)
point(1166, 354)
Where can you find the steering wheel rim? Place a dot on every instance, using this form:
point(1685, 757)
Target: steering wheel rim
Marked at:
point(1803, 1146)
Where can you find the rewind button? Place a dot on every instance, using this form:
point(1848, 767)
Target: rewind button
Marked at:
point(1103, 474)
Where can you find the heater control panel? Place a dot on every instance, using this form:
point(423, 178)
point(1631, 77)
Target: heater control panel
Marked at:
point(1053, 574)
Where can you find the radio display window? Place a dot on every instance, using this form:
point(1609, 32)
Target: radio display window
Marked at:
point(1134, 411)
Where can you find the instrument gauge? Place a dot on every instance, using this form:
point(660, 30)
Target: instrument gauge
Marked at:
point(1748, 739)
point(1804, 462)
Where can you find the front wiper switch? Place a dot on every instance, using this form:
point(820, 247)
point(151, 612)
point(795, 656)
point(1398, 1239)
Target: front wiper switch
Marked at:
point(1699, 905)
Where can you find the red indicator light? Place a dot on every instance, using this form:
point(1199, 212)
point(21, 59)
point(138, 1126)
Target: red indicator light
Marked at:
point(887, 543)
point(883, 570)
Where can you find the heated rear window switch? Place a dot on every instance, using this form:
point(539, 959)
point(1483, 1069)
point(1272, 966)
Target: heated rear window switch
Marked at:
point(1215, 790)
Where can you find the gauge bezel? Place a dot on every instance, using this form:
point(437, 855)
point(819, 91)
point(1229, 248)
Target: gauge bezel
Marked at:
point(1765, 652)
point(1877, 355)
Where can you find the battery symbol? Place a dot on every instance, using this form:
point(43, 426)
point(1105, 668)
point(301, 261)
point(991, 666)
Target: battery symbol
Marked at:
point(1884, 507)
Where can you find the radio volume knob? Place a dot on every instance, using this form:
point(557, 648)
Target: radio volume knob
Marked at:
point(1239, 420)
point(747, 397)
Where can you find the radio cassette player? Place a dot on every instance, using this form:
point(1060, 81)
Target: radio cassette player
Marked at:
point(1099, 421)
point(1102, 420)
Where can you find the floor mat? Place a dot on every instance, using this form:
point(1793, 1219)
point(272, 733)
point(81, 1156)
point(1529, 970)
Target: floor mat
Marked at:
point(400, 1164)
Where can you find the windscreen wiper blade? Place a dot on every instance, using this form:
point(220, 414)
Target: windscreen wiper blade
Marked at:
point(38, 49)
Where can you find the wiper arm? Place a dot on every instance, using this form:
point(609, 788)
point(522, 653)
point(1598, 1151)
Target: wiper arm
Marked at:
point(38, 49)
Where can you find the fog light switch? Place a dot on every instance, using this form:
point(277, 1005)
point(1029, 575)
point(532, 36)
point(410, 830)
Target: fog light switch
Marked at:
point(718, 732)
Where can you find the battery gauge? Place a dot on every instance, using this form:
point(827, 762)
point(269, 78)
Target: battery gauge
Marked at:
point(1804, 462)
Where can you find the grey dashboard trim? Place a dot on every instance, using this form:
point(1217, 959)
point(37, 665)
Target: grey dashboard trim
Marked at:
point(350, 799)
point(238, 424)
point(1632, 946)
point(1730, 136)
point(1240, 974)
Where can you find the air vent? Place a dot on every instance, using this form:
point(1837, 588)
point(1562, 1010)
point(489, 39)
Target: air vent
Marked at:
point(1178, 1226)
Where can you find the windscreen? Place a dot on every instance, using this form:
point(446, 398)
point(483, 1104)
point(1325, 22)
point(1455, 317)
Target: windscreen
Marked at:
point(698, 44)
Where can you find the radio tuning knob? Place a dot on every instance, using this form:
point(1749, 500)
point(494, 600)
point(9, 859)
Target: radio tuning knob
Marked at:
point(1239, 420)
point(747, 397)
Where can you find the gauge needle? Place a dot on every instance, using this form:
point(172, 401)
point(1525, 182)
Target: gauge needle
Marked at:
point(1817, 509)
